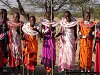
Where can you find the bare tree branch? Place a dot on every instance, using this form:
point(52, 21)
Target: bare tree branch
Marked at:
point(6, 4)
point(61, 5)
point(21, 9)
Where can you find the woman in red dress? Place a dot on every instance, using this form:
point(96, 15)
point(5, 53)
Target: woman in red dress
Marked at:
point(3, 38)
point(15, 52)
point(97, 58)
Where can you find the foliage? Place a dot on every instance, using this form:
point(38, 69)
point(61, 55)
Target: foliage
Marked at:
point(81, 5)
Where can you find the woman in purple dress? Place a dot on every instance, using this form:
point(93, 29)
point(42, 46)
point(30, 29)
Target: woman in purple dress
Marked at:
point(49, 47)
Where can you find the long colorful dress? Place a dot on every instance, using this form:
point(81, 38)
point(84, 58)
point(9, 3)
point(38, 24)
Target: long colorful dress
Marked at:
point(97, 58)
point(49, 46)
point(15, 52)
point(3, 43)
point(86, 44)
point(31, 46)
point(67, 45)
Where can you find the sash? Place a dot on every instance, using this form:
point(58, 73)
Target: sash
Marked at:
point(1, 36)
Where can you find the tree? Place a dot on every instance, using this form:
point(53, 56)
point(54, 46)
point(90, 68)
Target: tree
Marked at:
point(58, 4)
point(46, 4)
point(19, 7)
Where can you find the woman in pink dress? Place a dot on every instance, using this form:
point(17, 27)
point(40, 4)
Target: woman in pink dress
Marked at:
point(97, 58)
point(67, 43)
point(49, 46)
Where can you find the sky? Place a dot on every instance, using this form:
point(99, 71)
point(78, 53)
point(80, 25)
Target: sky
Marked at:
point(14, 4)
point(27, 8)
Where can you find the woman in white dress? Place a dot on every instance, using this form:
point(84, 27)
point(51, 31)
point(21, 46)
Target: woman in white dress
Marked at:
point(67, 43)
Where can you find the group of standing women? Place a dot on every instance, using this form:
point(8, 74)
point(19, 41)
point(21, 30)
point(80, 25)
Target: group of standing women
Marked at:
point(18, 42)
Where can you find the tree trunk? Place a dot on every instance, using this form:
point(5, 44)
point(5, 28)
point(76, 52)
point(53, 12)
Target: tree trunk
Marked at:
point(21, 9)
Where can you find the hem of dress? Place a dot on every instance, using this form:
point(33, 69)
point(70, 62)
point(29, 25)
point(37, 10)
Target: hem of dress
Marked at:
point(63, 66)
point(47, 62)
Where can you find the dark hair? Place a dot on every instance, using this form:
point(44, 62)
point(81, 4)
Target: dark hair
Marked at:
point(17, 13)
point(4, 14)
point(68, 12)
point(86, 12)
point(32, 17)
point(48, 15)
point(4, 11)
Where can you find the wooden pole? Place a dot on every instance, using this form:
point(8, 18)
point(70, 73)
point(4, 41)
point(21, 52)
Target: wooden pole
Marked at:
point(51, 34)
point(22, 51)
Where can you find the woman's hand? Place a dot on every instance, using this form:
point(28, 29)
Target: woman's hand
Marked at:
point(35, 29)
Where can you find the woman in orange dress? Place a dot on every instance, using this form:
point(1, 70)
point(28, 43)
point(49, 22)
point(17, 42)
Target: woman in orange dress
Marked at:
point(86, 28)
point(30, 30)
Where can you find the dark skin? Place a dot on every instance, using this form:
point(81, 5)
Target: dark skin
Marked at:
point(32, 21)
point(5, 28)
point(96, 38)
point(48, 17)
point(67, 16)
point(16, 17)
point(87, 17)
point(4, 17)
point(4, 14)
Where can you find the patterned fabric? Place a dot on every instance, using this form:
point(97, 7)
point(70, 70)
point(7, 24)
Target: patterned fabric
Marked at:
point(1, 36)
point(86, 44)
point(67, 46)
point(3, 42)
point(97, 58)
point(15, 54)
point(31, 47)
point(49, 48)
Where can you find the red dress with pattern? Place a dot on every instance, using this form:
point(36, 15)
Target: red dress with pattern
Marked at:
point(15, 57)
point(97, 58)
